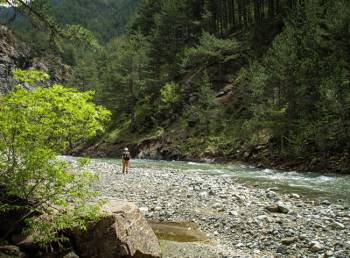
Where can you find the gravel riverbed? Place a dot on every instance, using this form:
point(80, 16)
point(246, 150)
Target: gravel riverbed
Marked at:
point(241, 220)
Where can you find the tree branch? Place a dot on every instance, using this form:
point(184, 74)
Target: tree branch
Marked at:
point(51, 26)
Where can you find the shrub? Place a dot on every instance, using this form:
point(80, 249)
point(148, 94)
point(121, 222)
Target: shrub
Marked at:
point(36, 126)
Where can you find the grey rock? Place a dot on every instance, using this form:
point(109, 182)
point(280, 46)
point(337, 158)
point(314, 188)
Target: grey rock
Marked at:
point(122, 232)
point(281, 249)
point(203, 194)
point(158, 208)
point(239, 245)
point(217, 205)
point(316, 246)
point(233, 213)
point(277, 208)
point(282, 208)
point(289, 240)
point(272, 208)
point(338, 225)
point(271, 194)
point(326, 202)
point(329, 254)
point(211, 193)
point(71, 255)
point(143, 210)
point(295, 196)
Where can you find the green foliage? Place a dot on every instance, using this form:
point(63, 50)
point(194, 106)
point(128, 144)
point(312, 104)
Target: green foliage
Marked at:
point(204, 114)
point(126, 75)
point(81, 35)
point(169, 96)
point(169, 27)
point(210, 50)
point(144, 18)
point(170, 24)
point(35, 126)
point(299, 89)
point(98, 16)
point(106, 19)
point(82, 162)
point(30, 77)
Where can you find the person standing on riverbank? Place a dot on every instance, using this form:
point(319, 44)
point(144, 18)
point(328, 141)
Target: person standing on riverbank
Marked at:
point(125, 160)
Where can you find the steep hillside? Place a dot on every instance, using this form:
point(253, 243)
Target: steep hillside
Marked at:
point(105, 18)
point(263, 82)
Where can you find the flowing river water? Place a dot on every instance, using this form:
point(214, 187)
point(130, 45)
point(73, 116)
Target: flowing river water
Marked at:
point(330, 186)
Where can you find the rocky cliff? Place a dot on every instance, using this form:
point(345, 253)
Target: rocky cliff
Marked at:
point(15, 54)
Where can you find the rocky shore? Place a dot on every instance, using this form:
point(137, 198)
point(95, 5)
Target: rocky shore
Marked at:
point(239, 220)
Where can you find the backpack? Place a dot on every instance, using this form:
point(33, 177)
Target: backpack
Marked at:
point(126, 155)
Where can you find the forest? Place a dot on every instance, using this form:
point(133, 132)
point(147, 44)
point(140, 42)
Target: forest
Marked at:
point(266, 81)
point(231, 76)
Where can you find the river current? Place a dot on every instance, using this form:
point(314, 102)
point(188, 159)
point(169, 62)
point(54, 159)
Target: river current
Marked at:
point(326, 186)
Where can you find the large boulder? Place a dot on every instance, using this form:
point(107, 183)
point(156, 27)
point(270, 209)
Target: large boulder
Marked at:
point(122, 232)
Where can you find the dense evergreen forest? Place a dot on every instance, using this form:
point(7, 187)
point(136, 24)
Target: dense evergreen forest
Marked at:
point(265, 81)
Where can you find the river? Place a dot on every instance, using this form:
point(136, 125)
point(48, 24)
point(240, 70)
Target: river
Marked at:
point(330, 186)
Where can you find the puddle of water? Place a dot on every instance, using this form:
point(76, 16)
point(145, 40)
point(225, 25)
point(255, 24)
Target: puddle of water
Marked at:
point(178, 231)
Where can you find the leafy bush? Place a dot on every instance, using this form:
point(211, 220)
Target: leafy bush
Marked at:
point(168, 96)
point(36, 126)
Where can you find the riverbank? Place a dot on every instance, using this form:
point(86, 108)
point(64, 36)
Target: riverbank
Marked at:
point(261, 156)
point(240, 220)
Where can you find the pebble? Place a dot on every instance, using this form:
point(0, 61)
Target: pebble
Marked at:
point(316, 246)
point(144, 210)
point(203, 194)
point(233, 213)
point(281, 249)
point(216, 205)
point(71, 255)
point(326, 202)
point(282, 207)
point(288, 241)
point(329, 254)
point(338, 225)
point(239, 245)
point(295, 196)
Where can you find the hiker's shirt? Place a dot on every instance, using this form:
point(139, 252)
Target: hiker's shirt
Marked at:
point(126, 155)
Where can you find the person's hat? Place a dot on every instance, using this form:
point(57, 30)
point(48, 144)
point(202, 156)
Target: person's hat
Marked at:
point(126, 149)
